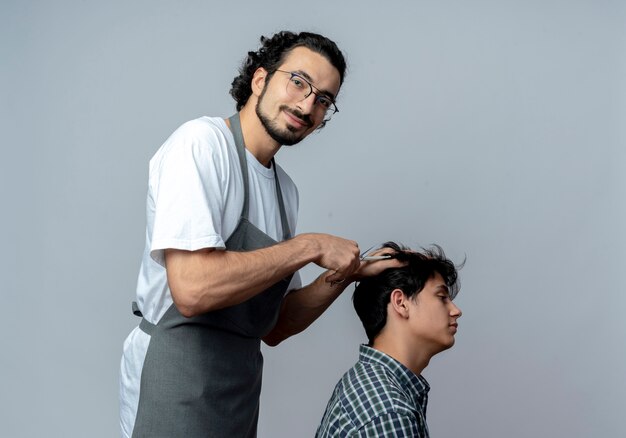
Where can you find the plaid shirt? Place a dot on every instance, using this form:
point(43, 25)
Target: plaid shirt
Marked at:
point(377, 397)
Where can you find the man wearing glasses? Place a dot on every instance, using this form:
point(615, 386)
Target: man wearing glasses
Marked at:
point(219, 270)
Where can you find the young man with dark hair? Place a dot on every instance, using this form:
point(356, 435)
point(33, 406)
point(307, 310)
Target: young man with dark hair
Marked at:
point(409, 317)
point(219, 270)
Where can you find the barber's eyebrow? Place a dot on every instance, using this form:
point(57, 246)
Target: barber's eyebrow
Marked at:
point(306, 76)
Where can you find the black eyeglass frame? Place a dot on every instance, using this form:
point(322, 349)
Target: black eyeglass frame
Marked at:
point(318, 94)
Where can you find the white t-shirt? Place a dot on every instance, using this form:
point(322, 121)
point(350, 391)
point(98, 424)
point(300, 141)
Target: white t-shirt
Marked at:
point(195, 199)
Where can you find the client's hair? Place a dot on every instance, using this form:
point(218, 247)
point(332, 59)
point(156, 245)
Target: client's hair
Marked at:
point(371, 296)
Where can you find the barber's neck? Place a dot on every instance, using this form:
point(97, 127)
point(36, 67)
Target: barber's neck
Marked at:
point(255, 136)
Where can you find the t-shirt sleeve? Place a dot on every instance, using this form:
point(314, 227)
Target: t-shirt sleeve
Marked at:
point(392, 424)
point(187, 183)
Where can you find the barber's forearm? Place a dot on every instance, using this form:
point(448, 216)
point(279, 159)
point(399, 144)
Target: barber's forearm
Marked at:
point(302, 307)
point(201, 281)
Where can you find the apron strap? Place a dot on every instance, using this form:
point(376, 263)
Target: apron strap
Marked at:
point(235, 125)
point(147, 327)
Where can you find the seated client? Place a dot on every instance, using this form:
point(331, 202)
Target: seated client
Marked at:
point(409, 317)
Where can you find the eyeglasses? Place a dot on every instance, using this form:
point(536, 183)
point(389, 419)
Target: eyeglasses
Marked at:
point(299, 88)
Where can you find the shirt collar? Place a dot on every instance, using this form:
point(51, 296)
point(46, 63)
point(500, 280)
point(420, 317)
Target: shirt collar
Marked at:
point(416, 385)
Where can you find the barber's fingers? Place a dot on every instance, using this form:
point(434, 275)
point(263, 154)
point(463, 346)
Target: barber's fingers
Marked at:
point(338, 254)
point(370, 268)
point(336, 277)
point(339, 275)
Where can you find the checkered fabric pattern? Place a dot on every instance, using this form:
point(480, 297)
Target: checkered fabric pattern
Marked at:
point(377, 397)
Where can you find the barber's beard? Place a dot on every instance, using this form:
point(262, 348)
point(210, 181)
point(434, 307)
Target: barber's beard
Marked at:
point(284, 136)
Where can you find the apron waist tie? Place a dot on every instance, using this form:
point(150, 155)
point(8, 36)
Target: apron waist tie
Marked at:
point(146, 326)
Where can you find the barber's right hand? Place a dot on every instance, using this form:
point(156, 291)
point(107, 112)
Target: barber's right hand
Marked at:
point(341, 256)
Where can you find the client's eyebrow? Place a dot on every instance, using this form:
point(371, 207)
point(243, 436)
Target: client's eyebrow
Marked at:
point(443, 288)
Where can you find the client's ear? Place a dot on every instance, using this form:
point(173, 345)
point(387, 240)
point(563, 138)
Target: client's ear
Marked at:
point(399, 303)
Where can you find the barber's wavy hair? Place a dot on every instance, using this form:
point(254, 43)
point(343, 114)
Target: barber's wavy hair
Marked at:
point(371, 296)
point(272, 54)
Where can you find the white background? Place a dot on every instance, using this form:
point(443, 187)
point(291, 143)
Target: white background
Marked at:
point(494, 128)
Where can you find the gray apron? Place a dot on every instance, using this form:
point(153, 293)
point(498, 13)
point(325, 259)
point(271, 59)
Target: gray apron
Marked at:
point(202, 375)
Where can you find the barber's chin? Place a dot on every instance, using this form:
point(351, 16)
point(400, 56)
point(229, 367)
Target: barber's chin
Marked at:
point(287, 137)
